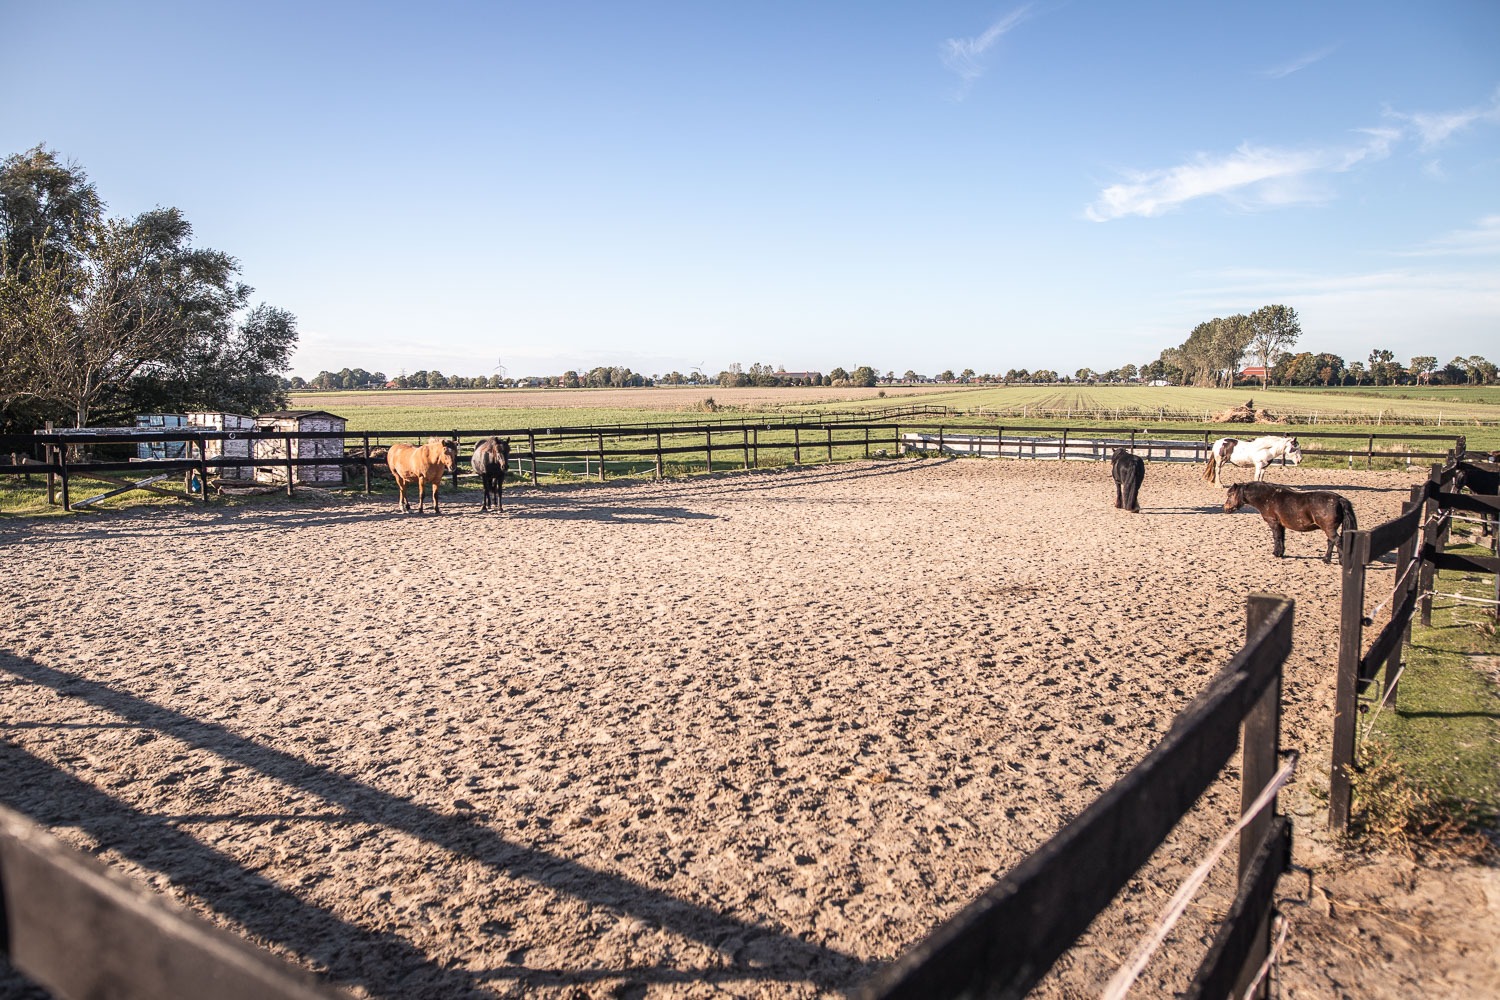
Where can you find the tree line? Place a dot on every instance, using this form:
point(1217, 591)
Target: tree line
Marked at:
point(1216, 349)
point(104, 317)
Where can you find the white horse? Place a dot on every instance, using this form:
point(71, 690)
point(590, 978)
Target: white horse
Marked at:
point(1260, 453)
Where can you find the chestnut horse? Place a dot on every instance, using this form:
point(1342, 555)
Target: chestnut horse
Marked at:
point(424, 465)
point(1300, 510)
point(1260, 453)
point(490, 462)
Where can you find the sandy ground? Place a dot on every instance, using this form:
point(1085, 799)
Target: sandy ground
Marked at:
point(751, 735)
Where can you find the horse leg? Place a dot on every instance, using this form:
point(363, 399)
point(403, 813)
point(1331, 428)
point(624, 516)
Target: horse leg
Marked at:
point(401, 486)
point(1331, 532)
point(1278, 540)
point(1119, 495)
point(1133, 498)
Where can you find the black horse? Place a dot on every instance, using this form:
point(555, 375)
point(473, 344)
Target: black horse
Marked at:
point(1300, 510)
point(1481, 482)
point(1128, 470)
point(490, 462)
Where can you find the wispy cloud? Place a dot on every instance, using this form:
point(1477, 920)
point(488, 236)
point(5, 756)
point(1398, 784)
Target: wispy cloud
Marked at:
point(1256, 177)
point(1482, 240)
point(1300, 63)
point(1436, 127)
point(1251, 176)
point(964, 56)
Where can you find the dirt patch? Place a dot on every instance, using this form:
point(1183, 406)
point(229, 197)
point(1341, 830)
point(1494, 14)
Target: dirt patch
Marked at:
point(747, 735)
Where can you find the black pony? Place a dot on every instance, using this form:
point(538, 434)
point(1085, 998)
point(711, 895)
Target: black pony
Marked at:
point(1128, 470)
point(491, 460)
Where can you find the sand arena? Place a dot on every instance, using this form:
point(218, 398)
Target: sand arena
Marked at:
point(746, 735)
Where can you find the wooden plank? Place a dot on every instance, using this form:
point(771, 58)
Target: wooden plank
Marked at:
point(80, 929)
point(1005, 941)
point(1474, 503)
point(1391, 534)
point(1223, 969)
point(1387, 641)
point(1463, 563)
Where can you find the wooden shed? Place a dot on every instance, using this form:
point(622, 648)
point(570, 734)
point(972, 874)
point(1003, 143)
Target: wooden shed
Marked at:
point(302, 422)
point(233, 448)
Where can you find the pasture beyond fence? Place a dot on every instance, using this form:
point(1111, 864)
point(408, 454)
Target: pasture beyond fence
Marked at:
point(617, 450)
point(1418, 537)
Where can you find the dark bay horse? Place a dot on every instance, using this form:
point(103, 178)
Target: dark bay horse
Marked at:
point(1300, 510)
point(490, 462)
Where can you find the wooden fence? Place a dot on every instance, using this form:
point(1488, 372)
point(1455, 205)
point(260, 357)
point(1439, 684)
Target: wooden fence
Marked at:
point(81, 930)
point(628, 448)
point(1003, 943)
point(1418, 537)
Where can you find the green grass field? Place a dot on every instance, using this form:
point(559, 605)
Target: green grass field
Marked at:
point(1160, 410)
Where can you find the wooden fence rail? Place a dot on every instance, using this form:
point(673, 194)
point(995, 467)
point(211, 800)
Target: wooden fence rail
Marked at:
point(596, 448)
point(1004, 942)
point(81, 930)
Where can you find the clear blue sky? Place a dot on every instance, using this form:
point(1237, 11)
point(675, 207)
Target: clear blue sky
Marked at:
point(801, 184)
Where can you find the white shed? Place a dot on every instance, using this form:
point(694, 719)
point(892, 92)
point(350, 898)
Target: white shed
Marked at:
point(302, 421)
point(231, 448)
point(160, 422)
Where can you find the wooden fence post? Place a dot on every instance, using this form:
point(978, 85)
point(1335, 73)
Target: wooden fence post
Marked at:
point(709, 448)
point(203, 468)
point(1354, 553)
point(367, 464)
point(601, 456)
point(830, 443)
point(755, 446)
point(796, 446)
point(1260, 757)
point(659, 473)
point(287, 440)
point(62, 460)
point(49, 456)
point(531, 443)
point(1062, 452)
point(745, 444)
point(1429, 537)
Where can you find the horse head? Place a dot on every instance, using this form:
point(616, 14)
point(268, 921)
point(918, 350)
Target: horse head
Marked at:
point(1234, 498)
point(1293, 451)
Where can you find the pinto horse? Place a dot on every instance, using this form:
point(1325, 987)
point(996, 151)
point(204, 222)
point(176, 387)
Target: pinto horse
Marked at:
point(1300, 510)
point(424, 465)
point(490, 462)
point(1260, 453)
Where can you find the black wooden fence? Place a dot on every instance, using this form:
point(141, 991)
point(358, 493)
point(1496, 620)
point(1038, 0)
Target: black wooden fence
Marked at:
point(718, 445)
point(1003, 943)
point(81, 930)
point(1418, 537)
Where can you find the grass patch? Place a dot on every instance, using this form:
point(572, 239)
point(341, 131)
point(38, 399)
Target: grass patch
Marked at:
point(1429, 778)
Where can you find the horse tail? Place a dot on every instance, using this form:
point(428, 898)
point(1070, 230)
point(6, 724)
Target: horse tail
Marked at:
point(1347, 522)
point(1211, 470)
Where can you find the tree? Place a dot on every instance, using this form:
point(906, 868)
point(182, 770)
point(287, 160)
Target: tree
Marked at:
point(110, 316)
point(1383, 367)
point(1272, 330)
point(967, 374)
point(946, 375)
point(90, 324)
point(46, 207)
point(1422, 367)
point(864, 375)
point(1128, 372)
point(838, 375)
